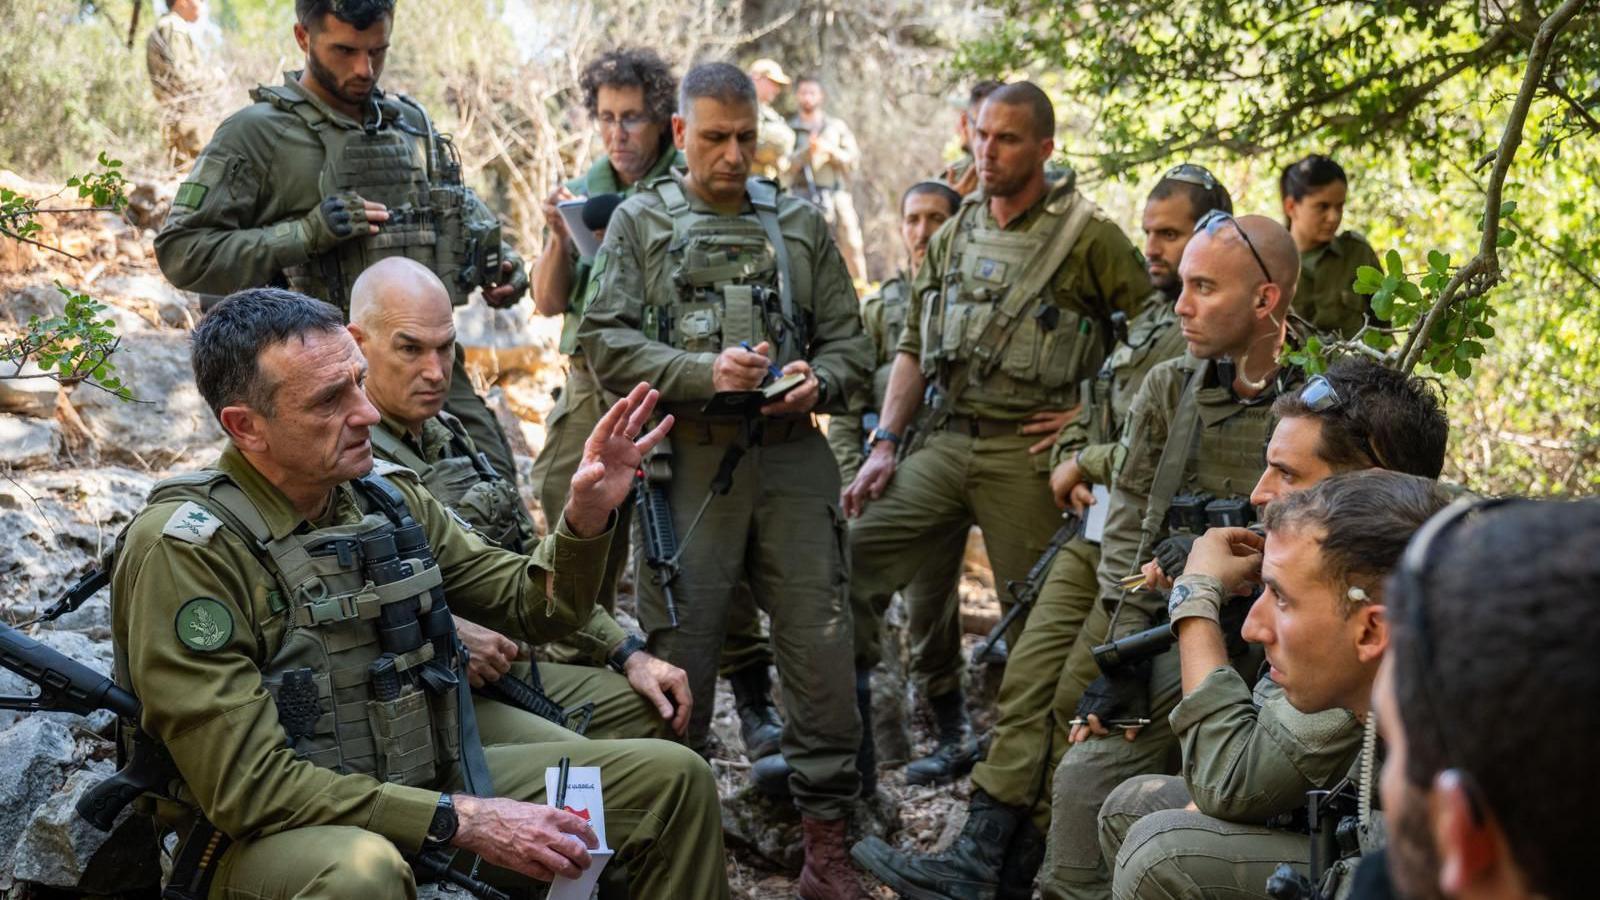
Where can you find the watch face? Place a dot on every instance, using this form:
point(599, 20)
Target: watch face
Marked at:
point(1179, 595)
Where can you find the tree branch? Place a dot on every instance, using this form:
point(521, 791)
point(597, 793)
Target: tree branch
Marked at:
point(1483, 271)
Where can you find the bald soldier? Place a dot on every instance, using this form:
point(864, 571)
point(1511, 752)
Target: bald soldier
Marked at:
point(284, 617)
point(400, 318)
point(1195, 445)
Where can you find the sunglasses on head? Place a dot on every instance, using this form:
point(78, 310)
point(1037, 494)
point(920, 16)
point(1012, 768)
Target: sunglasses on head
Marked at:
point(1189, 173)
point(1319, 396)
point(1211, 221)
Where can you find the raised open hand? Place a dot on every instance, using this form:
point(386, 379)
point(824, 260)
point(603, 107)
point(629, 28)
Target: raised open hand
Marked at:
point(611, 456)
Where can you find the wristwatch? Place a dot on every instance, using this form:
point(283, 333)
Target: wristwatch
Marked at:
point(442, 830)
point(882, 434)
point(619, 657)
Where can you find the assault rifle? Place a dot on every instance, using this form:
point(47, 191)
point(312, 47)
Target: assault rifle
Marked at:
point(660, 537)
point(1025, 592)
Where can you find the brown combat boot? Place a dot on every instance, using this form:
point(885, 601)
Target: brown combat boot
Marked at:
point(828, 874)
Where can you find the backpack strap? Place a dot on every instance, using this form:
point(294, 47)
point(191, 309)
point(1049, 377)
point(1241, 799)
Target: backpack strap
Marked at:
point(1182, 437)
point(399, 451)
point(764, 197)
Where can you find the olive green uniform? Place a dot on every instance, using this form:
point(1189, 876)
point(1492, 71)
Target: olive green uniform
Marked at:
point(1050, 665)
point(1326, 295)
point(932, 592)
point(674, 284)
point(442, 456)
point(182, 75)
point(577, 411)
point(235, 220)
point(975, 466)
point(828, 185)
point(1218, 443)
point(1248, 762)
point(201, 627)
point(774, 143)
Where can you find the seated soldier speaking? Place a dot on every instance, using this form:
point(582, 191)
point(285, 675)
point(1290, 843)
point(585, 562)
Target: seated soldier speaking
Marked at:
point(284, 617)
point(401, 319)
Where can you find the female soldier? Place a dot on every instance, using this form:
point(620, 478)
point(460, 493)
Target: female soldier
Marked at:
point(1313, 192)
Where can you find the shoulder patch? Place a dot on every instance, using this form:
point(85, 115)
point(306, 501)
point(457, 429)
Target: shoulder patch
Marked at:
point(459, 519)
point(203, 624)
point(191, 522)
point(190, 195)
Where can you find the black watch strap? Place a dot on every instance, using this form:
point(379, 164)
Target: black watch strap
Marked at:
point(442, 829)
point(883, 434)
point(619, 657)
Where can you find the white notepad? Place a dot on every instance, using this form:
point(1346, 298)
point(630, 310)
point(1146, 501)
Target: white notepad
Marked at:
point(583, 799)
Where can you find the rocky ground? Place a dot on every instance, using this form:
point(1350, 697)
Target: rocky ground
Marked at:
point(76, 463)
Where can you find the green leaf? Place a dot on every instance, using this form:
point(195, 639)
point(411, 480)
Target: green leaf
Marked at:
point(1505, 238)
point(1463, 368)
point(1438, 262)
point(1483, 329)
point(1442, 364)
point(1410, 292)
point(1396, 267)
point(1507, 208)
point(1367, 279)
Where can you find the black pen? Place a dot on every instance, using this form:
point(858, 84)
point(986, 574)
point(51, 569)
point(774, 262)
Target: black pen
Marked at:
point(561, 783)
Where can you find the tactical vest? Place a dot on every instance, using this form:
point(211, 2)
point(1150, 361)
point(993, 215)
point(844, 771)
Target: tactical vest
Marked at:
point(1111, 391)
point(366, 677)
point(465, 482)
point(416, 174)
point(730, 276)
point(1224, 459)
point(895, 296)
point(1037, 361)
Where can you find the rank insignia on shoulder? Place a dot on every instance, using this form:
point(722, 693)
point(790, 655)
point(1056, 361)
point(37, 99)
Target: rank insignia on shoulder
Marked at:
point(190, 195)
point(465, 525)
point(192, 523)
point(204, 624)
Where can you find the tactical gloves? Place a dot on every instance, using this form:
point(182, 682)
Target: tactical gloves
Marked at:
point(335, 220)
point(1173, 553)
point(1120, 698)
point(517, 280)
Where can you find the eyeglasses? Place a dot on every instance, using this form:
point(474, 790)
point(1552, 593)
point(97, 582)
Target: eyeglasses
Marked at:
point(1189, 173)
point(1408, 582)
point(1211, 221)
point(1319, 396)
point(631, 123)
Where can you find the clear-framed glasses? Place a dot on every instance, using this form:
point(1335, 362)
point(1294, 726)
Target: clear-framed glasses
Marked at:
point(1211, 221)
point(631, 123)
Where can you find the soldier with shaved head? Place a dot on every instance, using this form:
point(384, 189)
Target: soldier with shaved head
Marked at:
point(400, 318)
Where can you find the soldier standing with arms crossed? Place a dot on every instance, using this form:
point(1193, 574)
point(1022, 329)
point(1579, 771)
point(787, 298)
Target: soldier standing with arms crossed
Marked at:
point(324, 175)
point(695, 268)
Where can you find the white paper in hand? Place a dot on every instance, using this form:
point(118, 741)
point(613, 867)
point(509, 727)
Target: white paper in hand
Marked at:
point(588, 245)
point(584, 800)
point(1094, 518)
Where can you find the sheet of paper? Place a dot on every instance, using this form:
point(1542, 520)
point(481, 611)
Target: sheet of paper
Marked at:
point(572, 214)
point(584, 799)
point(1094, 519)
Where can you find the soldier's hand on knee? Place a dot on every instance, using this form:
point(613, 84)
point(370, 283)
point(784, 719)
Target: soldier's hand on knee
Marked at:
point(738, 369)
point(611, 457)
point(528, 838)
point(664, 685)
point(489, 653)
point(871, 481)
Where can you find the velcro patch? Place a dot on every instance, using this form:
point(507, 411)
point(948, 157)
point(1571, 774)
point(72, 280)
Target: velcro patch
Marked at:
point(191, 522)
point(991, 269)
point(204, 624)
point(190, 195)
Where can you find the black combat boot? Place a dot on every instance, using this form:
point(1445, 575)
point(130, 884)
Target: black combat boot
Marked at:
point(958, 749)
point(770, 776)
point(1023, 860)
point(968, 870)
point(759, 724)
point(867, 753)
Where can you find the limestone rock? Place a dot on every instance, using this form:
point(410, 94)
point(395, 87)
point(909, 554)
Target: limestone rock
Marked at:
point(33, 755)
point(171, 423)
point(29, 394)
point(56, 525)
point(60, 849)
point(27, 443)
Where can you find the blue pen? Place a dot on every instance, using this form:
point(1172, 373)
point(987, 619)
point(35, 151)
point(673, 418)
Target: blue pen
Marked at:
point(771, 369)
